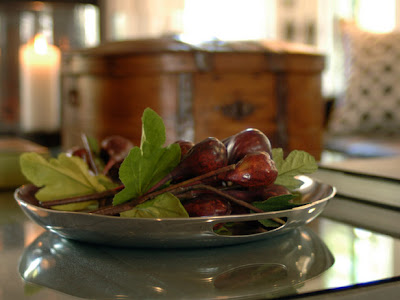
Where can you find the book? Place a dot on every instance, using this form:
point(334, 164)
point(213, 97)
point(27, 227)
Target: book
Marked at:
point(373, 180)
point(362, 146)
point(370, 217)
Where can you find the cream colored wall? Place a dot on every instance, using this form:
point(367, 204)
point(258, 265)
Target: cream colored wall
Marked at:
point(124, 19)
point(128, 19)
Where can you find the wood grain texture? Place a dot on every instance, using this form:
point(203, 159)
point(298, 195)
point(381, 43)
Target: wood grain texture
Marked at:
point(110, 106)
point(198, 92)
point(214, 91)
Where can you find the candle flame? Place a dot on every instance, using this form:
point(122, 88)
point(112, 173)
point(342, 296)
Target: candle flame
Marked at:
point(40, 44)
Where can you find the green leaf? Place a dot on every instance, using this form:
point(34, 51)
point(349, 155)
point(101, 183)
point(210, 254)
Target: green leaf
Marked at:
point(163, 206)
point(94, 145)
point(59, 178)
point(145, 166)
point(106, 182)
point(269, 223)
point(296, 163)
point(153, 129)
point(276, 203)
point(223, 229)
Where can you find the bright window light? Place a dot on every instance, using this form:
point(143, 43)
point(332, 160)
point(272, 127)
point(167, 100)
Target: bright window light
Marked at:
point(91, 31)
point(226, 19)
point(377, 16)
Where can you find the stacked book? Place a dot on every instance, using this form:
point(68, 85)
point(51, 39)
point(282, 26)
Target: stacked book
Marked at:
point(376, 180)
point(368, 191)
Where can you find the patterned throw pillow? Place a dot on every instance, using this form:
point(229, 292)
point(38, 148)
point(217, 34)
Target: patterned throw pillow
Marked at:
point(371, 103)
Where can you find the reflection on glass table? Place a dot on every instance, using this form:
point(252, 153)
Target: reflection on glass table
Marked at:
point(361, 255)
point(275, 266)
point(19, 249)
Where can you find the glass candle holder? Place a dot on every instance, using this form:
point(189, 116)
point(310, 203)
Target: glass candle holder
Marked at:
point(33, 36)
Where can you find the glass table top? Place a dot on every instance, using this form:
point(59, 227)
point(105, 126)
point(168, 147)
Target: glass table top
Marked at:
point(324, 255)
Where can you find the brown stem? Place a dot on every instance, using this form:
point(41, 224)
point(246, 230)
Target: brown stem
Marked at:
point(189, 194)
point(220, 192)
point(86, 145)
point(238, 201)
point(114, 210)
point(229, 197)
point(77, 199)
point(111, 162)
point(179, 190)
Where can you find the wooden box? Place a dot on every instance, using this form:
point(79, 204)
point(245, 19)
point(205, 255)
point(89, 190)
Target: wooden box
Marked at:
point(216, 89)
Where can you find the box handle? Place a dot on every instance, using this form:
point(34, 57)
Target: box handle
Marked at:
point(237, 110)
point(73, 97)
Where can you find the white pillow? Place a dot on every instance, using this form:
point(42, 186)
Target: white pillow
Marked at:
point(371, 103)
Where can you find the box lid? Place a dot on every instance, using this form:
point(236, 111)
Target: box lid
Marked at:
point(172, 54)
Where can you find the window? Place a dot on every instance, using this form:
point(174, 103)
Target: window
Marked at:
point(304, 21)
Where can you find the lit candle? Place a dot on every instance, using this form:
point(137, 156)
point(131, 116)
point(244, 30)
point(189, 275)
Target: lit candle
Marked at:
point(39, 86)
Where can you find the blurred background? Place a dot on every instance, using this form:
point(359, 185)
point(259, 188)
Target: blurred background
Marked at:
point(68, 67)
point(68, 26)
